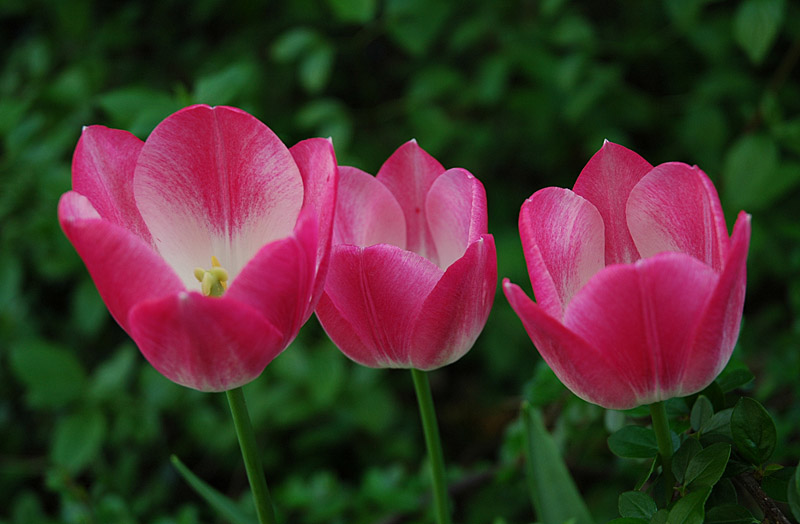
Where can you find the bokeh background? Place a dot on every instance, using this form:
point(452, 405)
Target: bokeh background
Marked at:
point(521, 93)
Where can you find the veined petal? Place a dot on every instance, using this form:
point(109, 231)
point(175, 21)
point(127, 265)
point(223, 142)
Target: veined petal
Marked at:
point(563, 240)
point(453, 315)
point(456, 210)
point(676, 208)
point(379, 291)
point(606, 181)
point(278, 282)
point(125, 269)
point(367, 213)
point(409, 174)
point(102, 171)
point(641, 317)
point(215, 181)
point(205, 343)
point(718, 327)
point(582, 368)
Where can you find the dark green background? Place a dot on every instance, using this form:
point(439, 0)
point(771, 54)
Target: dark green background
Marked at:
point(519, 93)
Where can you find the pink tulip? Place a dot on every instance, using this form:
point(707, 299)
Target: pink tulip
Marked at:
point(147, 218)
point(413, 270)
point(639, 290)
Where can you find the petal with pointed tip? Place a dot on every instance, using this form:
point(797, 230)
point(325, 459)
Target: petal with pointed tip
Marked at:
point(606, 181)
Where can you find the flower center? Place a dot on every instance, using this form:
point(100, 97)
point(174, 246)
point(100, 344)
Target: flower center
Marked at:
point(213, 282)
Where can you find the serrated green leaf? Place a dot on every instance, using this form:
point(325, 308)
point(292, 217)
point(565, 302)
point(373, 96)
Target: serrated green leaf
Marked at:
point(52, 375)
point(636, 505)
point(702, 411)
point(753, 431)
point(553, 492)
point(78, 439)
point(707, 466)
point(224, 506)
point(633, 442)
point(756, 26)
point(729, 514)
point(689, 509)
point(682, 458)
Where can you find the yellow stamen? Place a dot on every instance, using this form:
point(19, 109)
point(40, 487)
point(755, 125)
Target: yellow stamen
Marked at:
point(213, 282)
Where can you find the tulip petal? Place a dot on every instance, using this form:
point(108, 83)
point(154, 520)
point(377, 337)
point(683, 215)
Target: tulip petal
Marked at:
point(125, 269)
point(454, 313)
point(278, 281)
point(205, 343)
point(409, 174)
point(563, 240)
point(583, 369)
point(367, 213)
point(102, 171)
point(642, 316)
point(376, 292)
point(676, 208)
point(316, 161)
point(456, 211)
point(718, 327)
point(215, 181)
point(606, 181)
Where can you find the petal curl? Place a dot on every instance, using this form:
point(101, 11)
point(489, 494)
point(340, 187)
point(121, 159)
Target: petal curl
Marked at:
point(455, 312)
point(606, 181)
point(205, 343)
point(563, 241)
point(125, 269)
point(455, 207)
point(676, 208)
point(215, 181)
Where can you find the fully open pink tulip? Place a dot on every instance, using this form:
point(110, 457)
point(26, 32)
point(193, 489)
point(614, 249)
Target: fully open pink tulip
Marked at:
point(413, 270)
point(639, 290)
point(147, 218)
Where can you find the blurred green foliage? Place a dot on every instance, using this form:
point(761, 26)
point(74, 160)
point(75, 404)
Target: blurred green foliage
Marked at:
point(520, 93)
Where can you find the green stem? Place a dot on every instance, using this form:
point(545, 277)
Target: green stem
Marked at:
point(252, 461)
point(658, 414)
point(434, 443)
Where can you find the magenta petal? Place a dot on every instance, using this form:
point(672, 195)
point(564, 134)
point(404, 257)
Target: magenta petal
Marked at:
point(585, 371)
point(641, 317)
point(563, 240)
point(367, 213)
point(456, 210)
point(102, 171)
point(606, 181)
point(205, 343)
point(718, 327)
point(676, 208)
point(455, 312)
point(378, 291)
point(124, 268)
point(215, 181)
point(409, 174)
point(279, 281)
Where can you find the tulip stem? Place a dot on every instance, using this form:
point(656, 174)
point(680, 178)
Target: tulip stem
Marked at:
point(252, 461)
point(658, 414)
point(434, 444)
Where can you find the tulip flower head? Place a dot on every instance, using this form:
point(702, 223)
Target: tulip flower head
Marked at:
point(233, 228)
point(639, 290)
point(413, 269)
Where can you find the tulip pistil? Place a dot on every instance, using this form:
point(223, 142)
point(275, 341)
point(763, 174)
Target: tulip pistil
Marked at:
point(214, 281)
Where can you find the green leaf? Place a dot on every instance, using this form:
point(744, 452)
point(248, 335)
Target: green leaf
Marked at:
point(222, 87)
point(702, 411)
point(734, 378)
point(628, 520)
point(77, 440)
point(749, 174)
point(138, 109)
point(225, 507)
point(682, 458)
point(753, 431)
point(293, 43)
point(315, 68)
point(689, 509)
point(729, 514)
point(793, 493)
point(661, 517)
point(358, 11)
point(756, 26)
point(113, 375)
point(553, 492)
point(633, 442)
point(52, 374)
point(636, 505)
point(707, 466)
point(718, 428)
